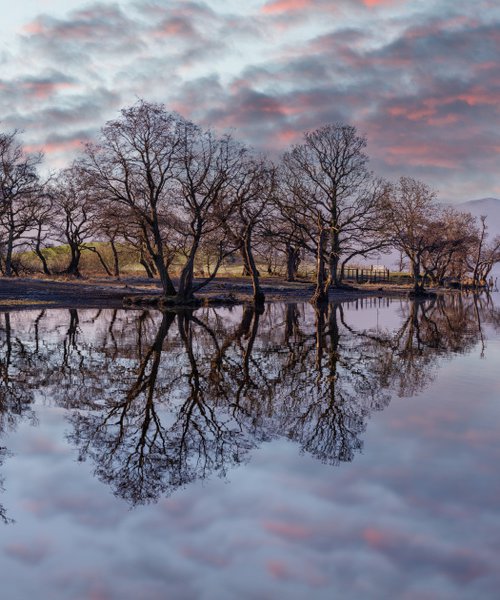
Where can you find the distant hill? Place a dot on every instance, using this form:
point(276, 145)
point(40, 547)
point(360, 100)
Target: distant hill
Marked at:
point(484, 206)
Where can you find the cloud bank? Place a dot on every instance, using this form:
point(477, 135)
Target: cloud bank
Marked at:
point(421, 80)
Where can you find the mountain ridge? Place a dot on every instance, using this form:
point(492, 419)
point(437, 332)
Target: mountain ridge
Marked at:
point(489, 207)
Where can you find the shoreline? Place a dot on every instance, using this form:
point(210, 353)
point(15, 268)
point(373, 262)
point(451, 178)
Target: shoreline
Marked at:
point(95, 292)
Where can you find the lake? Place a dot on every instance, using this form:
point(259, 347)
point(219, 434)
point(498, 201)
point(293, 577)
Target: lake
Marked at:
point(351, 452)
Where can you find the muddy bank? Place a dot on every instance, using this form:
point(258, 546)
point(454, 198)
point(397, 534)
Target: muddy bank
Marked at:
point(29, 293)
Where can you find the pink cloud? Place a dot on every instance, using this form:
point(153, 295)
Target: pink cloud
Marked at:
point(479, 95)
point(56, 146)
point(288, 136)
point(282, 6)
point(41, 90)
point(420, 155)
point(278, 569)
point(288, 530)
point(377, 3)
point(32, 554)
point(175, 27)
point(376, 538)
point(287, 6)
point(34, 28)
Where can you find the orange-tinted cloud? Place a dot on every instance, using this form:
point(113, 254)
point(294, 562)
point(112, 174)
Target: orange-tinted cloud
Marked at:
point(56, 147)
point(283, 6)
point(41, 90)
point(278, 569)
point(294, 531)
point(34, 28)
point(420, 155)
point(377, 3)
point(176, 27)
point(376, 538)
point(288, 136)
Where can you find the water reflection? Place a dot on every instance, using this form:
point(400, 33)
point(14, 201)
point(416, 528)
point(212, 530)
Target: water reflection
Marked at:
point(157, 401)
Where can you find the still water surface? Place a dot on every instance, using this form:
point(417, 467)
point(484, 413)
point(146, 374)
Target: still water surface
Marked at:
point(348, 453)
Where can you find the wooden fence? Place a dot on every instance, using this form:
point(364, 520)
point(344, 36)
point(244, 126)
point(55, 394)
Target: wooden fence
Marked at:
point(371, 275)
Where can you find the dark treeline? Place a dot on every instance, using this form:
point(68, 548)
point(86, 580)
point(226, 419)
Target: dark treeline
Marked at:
point(185, 200)
point(159, 400)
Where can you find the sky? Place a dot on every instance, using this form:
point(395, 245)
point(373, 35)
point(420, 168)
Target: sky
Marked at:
point(419, 78)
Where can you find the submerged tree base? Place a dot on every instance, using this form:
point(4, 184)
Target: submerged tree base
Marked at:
point(322, 296)
point(169, 302)
point(421, 293)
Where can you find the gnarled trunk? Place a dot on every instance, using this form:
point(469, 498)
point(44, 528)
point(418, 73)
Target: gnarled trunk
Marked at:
point(333, 261)
point(43, 260)
point(166, 282)
point(74, 264)
point(39, 252)
point(418, 281)
point(258, 294)
point(292, 262)
point(116, 261)
point(320, 295)
point(245, 272)
point(8, 255)
point(185, 292)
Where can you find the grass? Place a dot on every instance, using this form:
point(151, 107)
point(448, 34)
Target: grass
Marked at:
point(58, 258)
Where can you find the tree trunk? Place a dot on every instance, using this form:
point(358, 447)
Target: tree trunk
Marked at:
point(320, 295)
point(74, 263)
point(166, 282)
point(342, 272)
point(39, 252)
point(246, 267)
point(43, 260)
point(147, 267)
point(159, 259)
point(8, 255)
point(185, 290)
point(333, 262)
point(116, 262)
point(292, 262)
point(101, 260)
point(258, 294)
point(418, 283)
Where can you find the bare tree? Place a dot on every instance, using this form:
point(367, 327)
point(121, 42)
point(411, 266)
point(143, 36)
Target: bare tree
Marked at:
point(133, 167)
point(284, 233)
point(332, 198)
point(170, 176)
point(207, 167)
point(411, 217)
point(42, 227)
point(19, 186)
point(74, 205)
point(249, 204)
point(446, 258)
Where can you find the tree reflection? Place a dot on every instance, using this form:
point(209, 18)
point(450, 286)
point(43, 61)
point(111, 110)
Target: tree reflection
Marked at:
point(428, 331)
point(157, 401)
point(16, 393)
